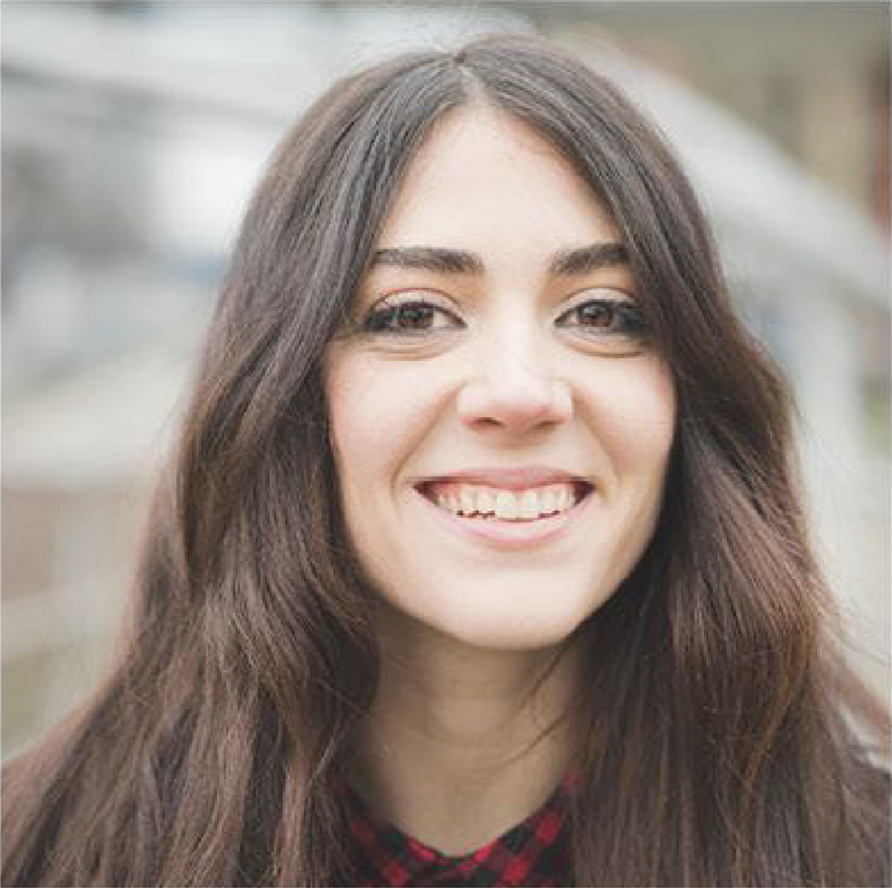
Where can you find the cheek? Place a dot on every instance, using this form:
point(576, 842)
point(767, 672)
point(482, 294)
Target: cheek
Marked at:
point(358, 422)
point(376, 412)
point(634, 411)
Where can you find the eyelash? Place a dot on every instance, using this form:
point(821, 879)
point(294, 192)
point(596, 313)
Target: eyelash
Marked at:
point(621, 312)
point(378, 319)
point(632, 325)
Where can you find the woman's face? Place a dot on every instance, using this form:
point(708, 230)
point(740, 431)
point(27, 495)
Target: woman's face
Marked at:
point(501, 425)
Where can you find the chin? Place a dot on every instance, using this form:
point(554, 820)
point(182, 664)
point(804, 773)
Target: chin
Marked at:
point(509, 624)
point(515, 638)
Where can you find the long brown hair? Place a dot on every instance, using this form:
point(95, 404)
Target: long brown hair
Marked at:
point(726, 741)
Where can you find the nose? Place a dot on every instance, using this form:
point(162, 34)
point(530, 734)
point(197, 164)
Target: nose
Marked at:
point(515, 393)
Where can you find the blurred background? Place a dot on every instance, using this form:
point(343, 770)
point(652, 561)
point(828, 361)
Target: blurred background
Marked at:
point(132, 134)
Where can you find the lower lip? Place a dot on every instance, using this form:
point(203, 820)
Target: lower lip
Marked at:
point(510, 535)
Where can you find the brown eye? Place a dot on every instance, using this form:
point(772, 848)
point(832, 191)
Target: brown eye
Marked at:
point(596, 314)
point(606, 319)
point(414, 316)
point(410, 317)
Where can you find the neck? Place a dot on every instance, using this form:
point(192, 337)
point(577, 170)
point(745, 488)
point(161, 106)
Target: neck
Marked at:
point(461, 743)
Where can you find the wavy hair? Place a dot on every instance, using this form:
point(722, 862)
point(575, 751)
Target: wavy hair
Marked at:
point(725, 741)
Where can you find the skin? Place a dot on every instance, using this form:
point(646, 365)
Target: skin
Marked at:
point(503, 372)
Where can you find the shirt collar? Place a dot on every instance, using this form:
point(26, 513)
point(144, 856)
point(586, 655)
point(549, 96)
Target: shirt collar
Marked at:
point(535, 852)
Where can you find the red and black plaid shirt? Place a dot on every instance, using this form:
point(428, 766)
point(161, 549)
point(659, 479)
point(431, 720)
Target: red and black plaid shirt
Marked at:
point(535, 852)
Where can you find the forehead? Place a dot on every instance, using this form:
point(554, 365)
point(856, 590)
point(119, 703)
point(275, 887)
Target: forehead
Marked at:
point(483, 176)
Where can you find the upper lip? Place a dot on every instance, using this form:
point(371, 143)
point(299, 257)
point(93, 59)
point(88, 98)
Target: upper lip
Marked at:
point(518, 478)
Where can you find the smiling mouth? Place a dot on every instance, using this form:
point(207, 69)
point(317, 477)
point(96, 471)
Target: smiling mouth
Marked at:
point(489, 503)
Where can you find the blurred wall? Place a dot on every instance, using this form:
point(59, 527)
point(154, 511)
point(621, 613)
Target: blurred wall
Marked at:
point(132, 133)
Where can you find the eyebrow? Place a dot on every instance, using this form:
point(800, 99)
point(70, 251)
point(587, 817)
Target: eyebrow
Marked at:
point(435, 259)
point(588, 259)
point(439, 260)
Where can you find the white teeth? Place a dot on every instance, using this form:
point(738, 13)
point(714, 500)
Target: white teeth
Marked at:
point(529, 504)
point(486, 500)
point(548, 501)
point(506, 504)
point(535, 502)
point(565, 499)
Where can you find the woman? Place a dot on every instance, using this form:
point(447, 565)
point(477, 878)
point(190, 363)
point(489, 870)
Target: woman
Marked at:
point(480, 560)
